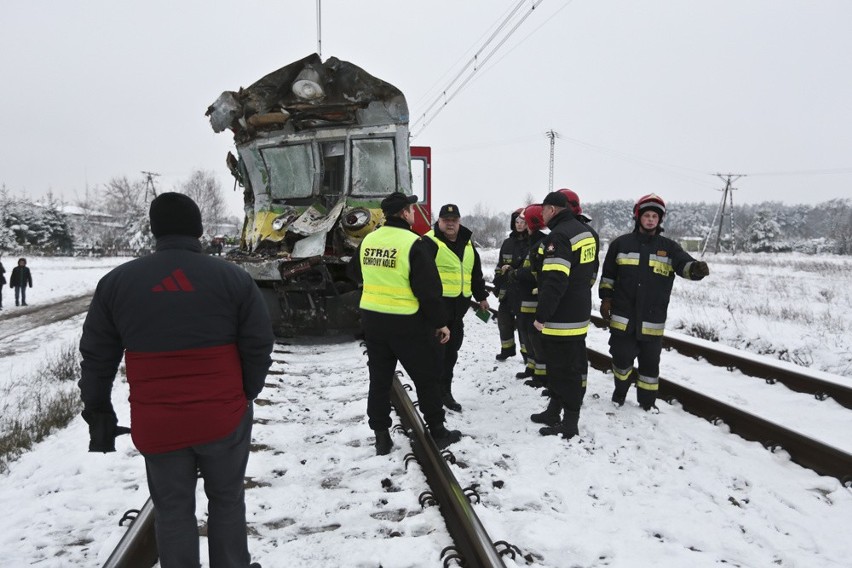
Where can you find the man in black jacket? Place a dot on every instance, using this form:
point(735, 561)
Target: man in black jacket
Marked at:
point(513, 251)
point(636, 283)
point(19, 280)
point(564, 308)
point(196, 338)
point(461, 276)
point(401, 312)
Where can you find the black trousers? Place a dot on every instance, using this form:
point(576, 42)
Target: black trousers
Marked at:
point(567, 369)
point(532, 339)
point(506, 327)
point(448, 353)
point(172, 477)
point(624, 349)
point(409, 341)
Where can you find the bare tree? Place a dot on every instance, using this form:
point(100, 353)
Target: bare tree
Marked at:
point(206, 191)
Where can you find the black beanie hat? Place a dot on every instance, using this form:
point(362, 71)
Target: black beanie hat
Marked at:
point(175, 214)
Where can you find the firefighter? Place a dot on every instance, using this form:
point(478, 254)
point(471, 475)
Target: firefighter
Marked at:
point(513, 251)
point(526, 277)
point(461, 276)
point(564, 308)
point(401, 312)
point(636, 283)
point(553, 413)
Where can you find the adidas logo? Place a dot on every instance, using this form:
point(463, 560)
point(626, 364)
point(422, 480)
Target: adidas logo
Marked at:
point(175, 282)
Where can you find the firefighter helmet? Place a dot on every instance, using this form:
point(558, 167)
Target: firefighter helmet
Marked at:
point(573, 200)
point(650, 201)
point(533, 217)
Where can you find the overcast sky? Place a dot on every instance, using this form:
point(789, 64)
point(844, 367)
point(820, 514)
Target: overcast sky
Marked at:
point(651, 95)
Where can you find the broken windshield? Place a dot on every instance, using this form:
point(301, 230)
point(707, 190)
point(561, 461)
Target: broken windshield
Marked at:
point(373, 167)
point(291, 170)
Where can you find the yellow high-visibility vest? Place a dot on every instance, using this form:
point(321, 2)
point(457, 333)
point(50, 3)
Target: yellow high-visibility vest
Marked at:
point(385, 269)
point(455, 273)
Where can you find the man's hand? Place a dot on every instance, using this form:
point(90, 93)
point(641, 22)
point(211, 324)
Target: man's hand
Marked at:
point(483, 305)
point(505, 268)
point(606, 309)
point(443, 334)
point(699, 270)
point(538, 325)
point(103, 429)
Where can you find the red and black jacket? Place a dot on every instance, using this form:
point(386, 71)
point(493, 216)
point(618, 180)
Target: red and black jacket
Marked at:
point(196, 337)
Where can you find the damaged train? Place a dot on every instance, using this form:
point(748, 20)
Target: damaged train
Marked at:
point(319, 144)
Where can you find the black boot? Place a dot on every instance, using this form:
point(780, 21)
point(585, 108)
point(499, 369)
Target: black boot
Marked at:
point(383, 442)
point(568, 428)
point(444, 437)
point(451, 403)
point(524, 374)
point(551, 416)
point(535, 383)
point(619, 397)
point(505, 354)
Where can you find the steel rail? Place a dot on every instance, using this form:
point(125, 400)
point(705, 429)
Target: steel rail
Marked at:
point(799, 381)
point(807, 452)
point(138, 547)
point(474, 544)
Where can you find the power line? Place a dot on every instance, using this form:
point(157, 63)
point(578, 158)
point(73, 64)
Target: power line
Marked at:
point(425, 119)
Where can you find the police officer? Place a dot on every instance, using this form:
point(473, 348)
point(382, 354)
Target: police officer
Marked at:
point(564, 308)
point(636, 283)
point(461, 275)
point(513, 251)
point(401, 313)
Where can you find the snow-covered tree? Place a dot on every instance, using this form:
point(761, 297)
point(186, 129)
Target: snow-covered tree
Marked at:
point(764, 232)
point(206, 191)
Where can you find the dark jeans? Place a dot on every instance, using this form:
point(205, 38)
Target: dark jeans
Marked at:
point(22, 292)
point(448, 353)
point(409, 341)
point(172, 477)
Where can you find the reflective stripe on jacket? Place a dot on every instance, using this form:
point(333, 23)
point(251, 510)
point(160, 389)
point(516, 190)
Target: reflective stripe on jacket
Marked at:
point(569, 263)
point(455, 273)
point(638, 274)
point(384, 259)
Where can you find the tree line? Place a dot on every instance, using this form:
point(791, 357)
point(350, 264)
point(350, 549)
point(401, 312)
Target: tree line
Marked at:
point(111, 218)
point(763, 227)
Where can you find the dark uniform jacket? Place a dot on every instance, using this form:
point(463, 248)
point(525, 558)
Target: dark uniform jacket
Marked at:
point(638, 273)
point(196, 337)
point(513, 251)
point(20, 277)
point(566, 275)
point(424, 279)
point(526, 276)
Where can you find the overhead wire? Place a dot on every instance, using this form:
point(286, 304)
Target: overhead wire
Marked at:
point(446, 99)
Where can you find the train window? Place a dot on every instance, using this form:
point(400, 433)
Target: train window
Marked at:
point(418, 178)
point(373, 167)
point(291, 170)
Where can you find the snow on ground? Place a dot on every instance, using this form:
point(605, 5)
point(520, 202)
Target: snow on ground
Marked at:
point(636, 490)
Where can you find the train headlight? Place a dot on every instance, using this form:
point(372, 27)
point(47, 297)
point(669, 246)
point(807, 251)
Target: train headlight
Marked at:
point(280, 222)
point(307, 85)
point(356, 219)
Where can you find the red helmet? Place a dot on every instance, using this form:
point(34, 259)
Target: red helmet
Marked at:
point(573, 200)
point(532, 215)
point(650, 201)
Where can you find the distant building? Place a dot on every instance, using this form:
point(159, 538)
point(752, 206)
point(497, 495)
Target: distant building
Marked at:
point(691, 244)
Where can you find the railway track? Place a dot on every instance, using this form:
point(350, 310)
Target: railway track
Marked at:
point(472, 544)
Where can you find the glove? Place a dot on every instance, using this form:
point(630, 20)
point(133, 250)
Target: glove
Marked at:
point(103, 429)
point(606, 308)
point(699, 270)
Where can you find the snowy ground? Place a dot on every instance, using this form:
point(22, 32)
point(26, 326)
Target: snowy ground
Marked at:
point(636, 490)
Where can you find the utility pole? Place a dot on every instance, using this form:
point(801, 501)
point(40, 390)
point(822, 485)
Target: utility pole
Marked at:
point(727, 201)
point(553, 135)
point(319, 29)
point(149, 183)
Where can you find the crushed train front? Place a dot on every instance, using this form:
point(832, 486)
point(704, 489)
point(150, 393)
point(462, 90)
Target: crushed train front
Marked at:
point(319, 144)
